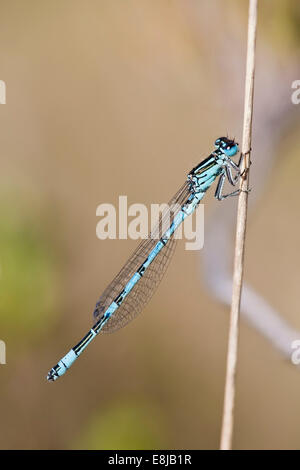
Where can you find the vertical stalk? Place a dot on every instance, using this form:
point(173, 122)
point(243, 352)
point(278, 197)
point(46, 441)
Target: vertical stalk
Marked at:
point(230, 383)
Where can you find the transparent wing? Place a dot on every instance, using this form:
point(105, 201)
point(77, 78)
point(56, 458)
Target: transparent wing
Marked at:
point(141, 293)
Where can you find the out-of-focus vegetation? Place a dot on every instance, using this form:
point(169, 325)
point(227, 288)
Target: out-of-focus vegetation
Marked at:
point(281, 24)
point(127, 425)
point(29, 276)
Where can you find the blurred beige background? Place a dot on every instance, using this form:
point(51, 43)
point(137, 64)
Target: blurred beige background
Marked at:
point(109, 98)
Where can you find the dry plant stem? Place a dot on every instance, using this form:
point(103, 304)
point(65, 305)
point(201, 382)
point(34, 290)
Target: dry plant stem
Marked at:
point(229, 398)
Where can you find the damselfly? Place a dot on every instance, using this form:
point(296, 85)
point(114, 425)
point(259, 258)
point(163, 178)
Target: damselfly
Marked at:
point(131, 289)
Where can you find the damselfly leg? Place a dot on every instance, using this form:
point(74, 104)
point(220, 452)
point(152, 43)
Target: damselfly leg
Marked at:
point(229, 164)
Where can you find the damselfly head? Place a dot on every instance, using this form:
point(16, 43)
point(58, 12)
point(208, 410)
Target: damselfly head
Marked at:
point(228, 146)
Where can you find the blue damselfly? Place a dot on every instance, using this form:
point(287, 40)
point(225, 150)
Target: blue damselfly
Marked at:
point(132, 288)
